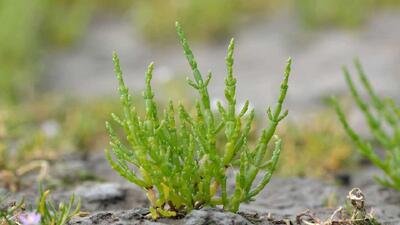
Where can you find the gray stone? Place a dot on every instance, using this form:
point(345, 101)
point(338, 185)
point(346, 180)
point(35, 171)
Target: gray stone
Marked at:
point(100, 192)
point(130, 217)
point(215, 217)
point(103, 196)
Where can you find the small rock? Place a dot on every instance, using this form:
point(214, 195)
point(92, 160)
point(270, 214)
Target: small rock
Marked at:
point(101, 196)
point(129, 217)
point(215, 217)
point(100, 192)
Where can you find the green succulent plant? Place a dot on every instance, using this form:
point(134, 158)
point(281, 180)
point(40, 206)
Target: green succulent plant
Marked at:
point(178, 160)
point(383, 119)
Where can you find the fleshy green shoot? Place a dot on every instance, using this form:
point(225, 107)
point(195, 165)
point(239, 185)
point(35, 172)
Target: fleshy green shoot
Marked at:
point(383, 119)
point(178, 160)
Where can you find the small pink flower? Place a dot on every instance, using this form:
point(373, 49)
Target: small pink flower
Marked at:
point(30, 218)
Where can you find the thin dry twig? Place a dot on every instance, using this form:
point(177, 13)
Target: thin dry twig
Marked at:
point(359, 215)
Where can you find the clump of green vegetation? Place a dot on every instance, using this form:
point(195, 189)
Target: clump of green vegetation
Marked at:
point(154, 18)
point(18, 154)
point(81, 125)
point(33, 134)
point(65, 21)
point(27, 29)
point(315, 13)
point(36, 133)
point(17, 46)
point(177, 158)
point(383, 119)
point(320, 143)
point(341, 13)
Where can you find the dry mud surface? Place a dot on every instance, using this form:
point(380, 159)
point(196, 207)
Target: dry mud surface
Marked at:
point(112, 200)
point(290, 197)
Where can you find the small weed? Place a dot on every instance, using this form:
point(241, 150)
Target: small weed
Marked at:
point(44, 213)
point(356, 214)
point(50, 214)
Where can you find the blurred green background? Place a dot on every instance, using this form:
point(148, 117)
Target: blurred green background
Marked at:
point(29, 29)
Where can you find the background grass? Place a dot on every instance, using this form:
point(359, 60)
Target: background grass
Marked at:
point(29, 29)
point(315, 149)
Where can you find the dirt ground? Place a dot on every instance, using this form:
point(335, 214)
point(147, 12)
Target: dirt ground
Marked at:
point(112, 200)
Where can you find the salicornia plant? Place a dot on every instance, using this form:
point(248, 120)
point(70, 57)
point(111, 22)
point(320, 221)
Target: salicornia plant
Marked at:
point(383, 119)
point(178, 160)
